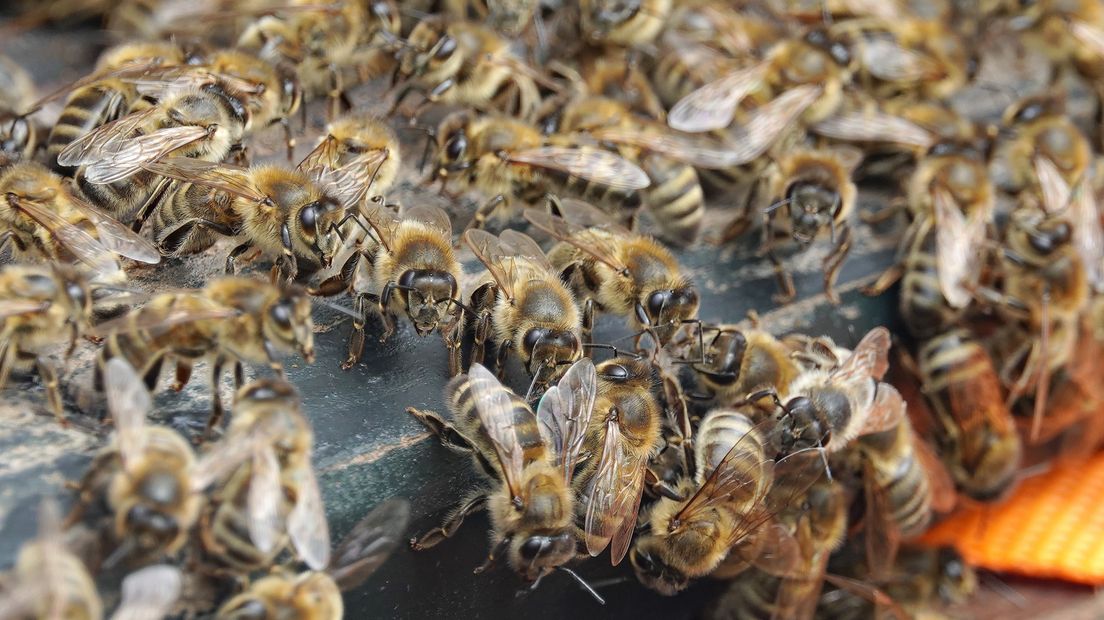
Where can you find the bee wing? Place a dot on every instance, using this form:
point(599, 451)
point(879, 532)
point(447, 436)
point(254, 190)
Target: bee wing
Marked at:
point(957, 243)
point(350, 182)
point(980, 401)
point(564, 412)
point(882, 601)
point(591, 164)
point(729, 481)
point(370, 543)
point(1091, 36)
point(519, 244)
point(264, 498)
point(577, 236)
point(224, 177)
point(430, 215)
point(586, 215)
point(131, 68)
point(1052, 185)
point(127, 157)
point(940, 483)
point(488, 249)
point(1087, 234)
point(166, 81)
point(874, 126)
point(218, 461)
point(887, 60)
point(881, 535)
point(385, 222)
point(495, 409)
point(614, 498)
point(768, 122)
point(118, 238)
point(869, 359)
point(84, 247)
point(15, 307)
point(149, 593)
point(698, 151)
point(712, 106)
point(306, 524)
point(887, 410)
point(780, 552)
point(131, 323)
point(324, 156)
point(129, 402)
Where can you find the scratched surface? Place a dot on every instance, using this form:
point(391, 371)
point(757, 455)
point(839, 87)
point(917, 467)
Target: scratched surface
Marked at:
point(368, 449)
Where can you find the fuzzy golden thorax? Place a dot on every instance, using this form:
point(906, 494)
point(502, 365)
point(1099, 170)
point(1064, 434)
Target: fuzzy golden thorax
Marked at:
point(422, 262)
point(542, 323)
point(740, 361)
point(538, 523)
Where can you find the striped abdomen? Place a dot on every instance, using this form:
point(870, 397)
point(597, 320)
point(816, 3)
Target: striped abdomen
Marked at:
point(675, 198)
point(619, 201)
point(182, 202)
point(521, 416)
point(728, 430)
point(86, 109)
point(226, 537)
point(923, 305)
point(901, 477)
point(123, 198)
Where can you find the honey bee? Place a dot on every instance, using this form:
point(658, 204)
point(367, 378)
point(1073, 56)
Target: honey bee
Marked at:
point(44, 221)
point(507, 17)
point(274, 496)
point(413, 271)
point(625, 431)
point(148, 478)
point(951, 199)
point(726, 510)
point(719, 26)
point(819, 521)
point(464, 63)
point(739, 361)
point(530, 310)
point(910, 57)
point(106, 95)
point(41, 307)
point(532, 457)
point(977, 437)
point(358, 155)
point(510, 159)
point(809, 191)
point(624, 23)
point(832, 403)
point(49, 581)
point(278, 211)
point(1043, 134)
point(317, 594)
point(619, 272)
point(231, 320)
point(271, 92)
point(18, 136)
point(203, 124)
point(1069, 32)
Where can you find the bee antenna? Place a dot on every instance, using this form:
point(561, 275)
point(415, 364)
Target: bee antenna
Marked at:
point(582, 583)
point(609, 347)
point(458, 303)
point(776, 206)
point(120, 552)
point(336, 306)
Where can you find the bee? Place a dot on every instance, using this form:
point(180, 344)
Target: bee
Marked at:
point(531, 312)
point(316, 594)
point(465, 63)
point(613, 73)
point(148, 478)
point(978, 440)
point(623, 23)
point(270, 92)
point(230, 320)
point(18, 136)
point(107, 94)
point(1043, 132)
point(619, 272)
point(44, 221)
point(512, 160)
point(281, 213)
point(41, 307)
point(358, 156)
point(910, 57)
point(719, 26)
point(203, 124)
point(626, 431)
point(532, 457)
point(832, 403)
point(739, 361)
point(413, 271)
point(274, 496)
point(951, 200)
point(819, 521)
point(726, 510)
point(809, 191)
point(506, 17)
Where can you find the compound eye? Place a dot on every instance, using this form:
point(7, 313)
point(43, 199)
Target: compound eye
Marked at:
point(615, 372)
point(308, 217)
point(456, 147)
point(281, 315)
point(406, 280)
point(446, 48)
point(533, 337)
point(532, 547)
point(657, 301)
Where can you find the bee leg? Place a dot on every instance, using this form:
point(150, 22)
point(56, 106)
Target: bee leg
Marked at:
point(446, 433)
point(234, 255)
point(239, 374)
point(452, 334)
point(485, 211)
point(289, 140)
point(659, 488)
point(385, 313)
point(183, 374)
point(53, 392)
point(7, 360)
point(356, 339)
point(148, 206)
point(785, 278)
point(588, 321)
point(888, 278)
point(216, 395)
point(482, 300)
point(835, 262)
point(451, 524)
point(500, 359)
point(886, 213)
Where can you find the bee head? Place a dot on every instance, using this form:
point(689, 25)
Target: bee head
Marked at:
point(288, 323)
point(664, 310)
point(602, 16)
point(453, 140)
point(725, 358)
point(549, 350)
point(812, 206)
point(428, 294)
point(536, 554)
point(651, 569)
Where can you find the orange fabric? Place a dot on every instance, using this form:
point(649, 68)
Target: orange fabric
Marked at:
point(1052, 526)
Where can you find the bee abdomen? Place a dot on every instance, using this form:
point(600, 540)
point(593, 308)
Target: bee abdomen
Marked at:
point(85, 110)
point(725, 430)
point(675, 198)
point(923, 305)
point(524, 422)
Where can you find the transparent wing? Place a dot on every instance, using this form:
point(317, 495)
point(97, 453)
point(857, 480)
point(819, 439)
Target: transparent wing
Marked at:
point(614, 497)
point(564, 414)
point(887, 60)
point(488, 249)
point(264, 498)
point(16, 307)
point(940, 483)
point(219, 460)
point(767, 123)
point(592, 164)
point(495, 409)
point(712, 106)
point(577, 236)
point(874, 126)
point(385, 222)
point(1090, 35)
point(324, 156)
point(958, 241)
point(699, 151)
point(102, 141)
point(887, 410)
point(351, 181)
point(520, 245)
point(118, 238)
point(1052, 185)
point(870, 358)
point(83, 246)
point(149, 593)
point(871, 593)
point(219, 176)
point(147, 320)
point(128, 156)
point(129, 402)
point(586, 215)
point(430, 215)
point(741, 476)
point(1088, 236)
point(881, 536)
point(370, 543)
point(307, 525)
